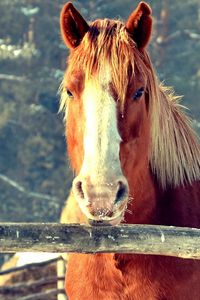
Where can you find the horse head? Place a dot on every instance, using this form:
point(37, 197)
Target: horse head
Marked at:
point(106, 97)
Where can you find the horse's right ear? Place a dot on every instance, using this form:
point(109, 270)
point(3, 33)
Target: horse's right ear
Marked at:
point(73, 26)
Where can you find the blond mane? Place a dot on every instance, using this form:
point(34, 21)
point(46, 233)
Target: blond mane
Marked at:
point(175, 150)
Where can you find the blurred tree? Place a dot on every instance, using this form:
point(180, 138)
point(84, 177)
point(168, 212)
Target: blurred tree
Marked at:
point(32, 145)
point(178, 47)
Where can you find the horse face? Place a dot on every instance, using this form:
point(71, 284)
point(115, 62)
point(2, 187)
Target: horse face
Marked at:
point(100, 187)
point(96, 130)
point(100, 137)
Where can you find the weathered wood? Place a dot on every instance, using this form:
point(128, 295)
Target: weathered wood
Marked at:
point(140, 239)
point(43, 295)
point(29, 287)
point(31, 266)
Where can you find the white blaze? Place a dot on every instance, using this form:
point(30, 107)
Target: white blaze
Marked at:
point(101, 137)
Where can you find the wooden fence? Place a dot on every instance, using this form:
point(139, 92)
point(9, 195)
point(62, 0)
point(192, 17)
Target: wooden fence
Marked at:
point(61, 238)
point(33, 281)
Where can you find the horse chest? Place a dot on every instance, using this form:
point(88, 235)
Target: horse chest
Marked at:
point(131, 277)
point(159, 278)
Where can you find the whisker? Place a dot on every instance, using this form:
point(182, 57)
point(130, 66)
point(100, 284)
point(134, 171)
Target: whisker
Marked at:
point(129, 211)
point(130, 199)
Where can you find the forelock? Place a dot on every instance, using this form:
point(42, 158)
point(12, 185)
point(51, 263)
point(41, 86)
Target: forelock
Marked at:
point(108, 42)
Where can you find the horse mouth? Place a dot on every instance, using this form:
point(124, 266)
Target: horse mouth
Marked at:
point(106, 222)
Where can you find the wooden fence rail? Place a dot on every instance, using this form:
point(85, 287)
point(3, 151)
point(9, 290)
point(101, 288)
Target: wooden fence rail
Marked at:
point(141, 239)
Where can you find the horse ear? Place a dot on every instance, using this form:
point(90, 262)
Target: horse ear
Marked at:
point(73, 26)
point(139, 24)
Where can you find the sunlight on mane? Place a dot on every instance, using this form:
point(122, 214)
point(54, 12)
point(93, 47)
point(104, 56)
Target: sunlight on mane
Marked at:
point(175, 150)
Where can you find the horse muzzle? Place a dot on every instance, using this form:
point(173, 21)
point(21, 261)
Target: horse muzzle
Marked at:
point(102, 203)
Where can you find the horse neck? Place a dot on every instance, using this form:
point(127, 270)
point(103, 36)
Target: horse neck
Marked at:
point(151, 204)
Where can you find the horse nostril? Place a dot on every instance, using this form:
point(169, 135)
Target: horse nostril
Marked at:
point(122, 192)
point(79, 189)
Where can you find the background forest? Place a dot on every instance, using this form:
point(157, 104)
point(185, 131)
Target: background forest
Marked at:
point(34, 171)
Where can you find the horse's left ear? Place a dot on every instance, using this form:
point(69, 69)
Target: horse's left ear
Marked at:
point(139, 24)
point(72, 25)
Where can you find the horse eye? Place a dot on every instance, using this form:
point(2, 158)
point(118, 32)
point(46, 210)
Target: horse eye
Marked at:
point(138, 94)
point(70, 95)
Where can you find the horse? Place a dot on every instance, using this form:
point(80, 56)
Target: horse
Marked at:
point(135, 157)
